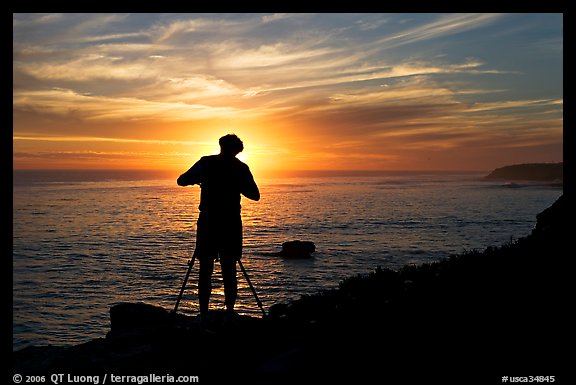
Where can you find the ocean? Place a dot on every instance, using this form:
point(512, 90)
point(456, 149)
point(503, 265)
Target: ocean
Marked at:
point(85, 241)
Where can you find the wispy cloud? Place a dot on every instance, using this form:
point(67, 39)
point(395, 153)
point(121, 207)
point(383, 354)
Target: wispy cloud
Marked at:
point(68, 102)
point(47, 138)
point(445, 25)
point(203, 66)
point(512, 104)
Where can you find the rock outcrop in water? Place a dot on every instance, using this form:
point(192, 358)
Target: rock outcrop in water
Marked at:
point(481, 315)
point(297, 249)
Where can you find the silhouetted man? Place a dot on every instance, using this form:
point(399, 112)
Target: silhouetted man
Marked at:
point(223, 178)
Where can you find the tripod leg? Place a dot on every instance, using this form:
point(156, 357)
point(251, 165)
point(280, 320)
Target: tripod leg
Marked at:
point(251, 287)
point(190, 264)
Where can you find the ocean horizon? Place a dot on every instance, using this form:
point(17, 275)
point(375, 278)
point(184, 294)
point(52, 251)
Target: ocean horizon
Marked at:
point(84, 240)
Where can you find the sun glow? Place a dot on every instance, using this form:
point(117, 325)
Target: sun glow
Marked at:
point(243, 156)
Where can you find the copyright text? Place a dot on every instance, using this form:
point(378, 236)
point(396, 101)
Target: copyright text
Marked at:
point(62, 378)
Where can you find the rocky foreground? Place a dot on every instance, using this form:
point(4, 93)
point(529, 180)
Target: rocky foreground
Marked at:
point(472, 318)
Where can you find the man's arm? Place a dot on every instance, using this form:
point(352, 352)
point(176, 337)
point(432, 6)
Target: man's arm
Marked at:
point(192, 176)
point(249, 187)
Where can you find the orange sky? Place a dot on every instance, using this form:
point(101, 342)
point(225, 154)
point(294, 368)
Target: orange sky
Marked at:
point(304, 92)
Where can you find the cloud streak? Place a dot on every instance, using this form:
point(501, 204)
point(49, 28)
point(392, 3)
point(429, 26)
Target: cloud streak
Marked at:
point(69, 103)
point(445, 25)
point(90, 139)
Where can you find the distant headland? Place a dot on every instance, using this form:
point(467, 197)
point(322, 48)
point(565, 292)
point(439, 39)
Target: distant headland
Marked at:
point(543, 172)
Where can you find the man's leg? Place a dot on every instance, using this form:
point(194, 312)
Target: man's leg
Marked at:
point(228, 265)
point(205, 283)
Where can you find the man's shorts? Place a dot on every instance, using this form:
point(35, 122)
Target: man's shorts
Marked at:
point(218, 236)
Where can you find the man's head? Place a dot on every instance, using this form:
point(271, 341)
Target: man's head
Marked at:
point(230, 145)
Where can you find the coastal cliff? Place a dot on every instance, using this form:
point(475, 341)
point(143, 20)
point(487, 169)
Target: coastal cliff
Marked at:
point(483, 313)
point(542, 172)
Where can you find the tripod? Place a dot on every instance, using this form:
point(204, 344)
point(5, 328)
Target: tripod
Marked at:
point(191, 264)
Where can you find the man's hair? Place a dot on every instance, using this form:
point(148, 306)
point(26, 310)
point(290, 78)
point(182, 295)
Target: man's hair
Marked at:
point(231, 144)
